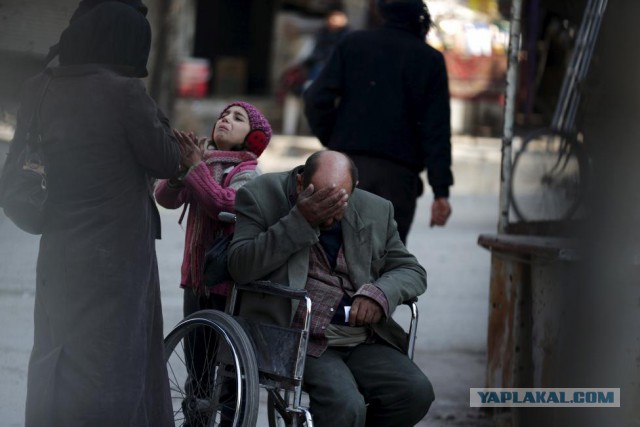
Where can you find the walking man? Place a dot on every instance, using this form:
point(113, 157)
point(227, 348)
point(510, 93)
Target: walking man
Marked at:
point(383, 98)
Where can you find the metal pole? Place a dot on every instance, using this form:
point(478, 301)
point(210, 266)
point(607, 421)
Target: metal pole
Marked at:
point(509, 113)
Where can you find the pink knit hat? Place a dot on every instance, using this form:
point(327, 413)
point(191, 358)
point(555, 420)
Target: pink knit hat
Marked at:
point(260, 133)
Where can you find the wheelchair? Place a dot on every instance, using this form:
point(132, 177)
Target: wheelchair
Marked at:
point(238, 357)
point(217, 362)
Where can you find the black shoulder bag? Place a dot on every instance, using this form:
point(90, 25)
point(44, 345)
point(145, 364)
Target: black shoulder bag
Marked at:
point(23, 190)
point(215, 262)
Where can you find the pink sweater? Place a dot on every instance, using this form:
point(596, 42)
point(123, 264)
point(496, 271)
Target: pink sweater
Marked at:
point(200, 188)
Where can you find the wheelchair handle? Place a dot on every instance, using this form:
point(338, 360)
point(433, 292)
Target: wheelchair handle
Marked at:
point(410, 301)
point(227, 217)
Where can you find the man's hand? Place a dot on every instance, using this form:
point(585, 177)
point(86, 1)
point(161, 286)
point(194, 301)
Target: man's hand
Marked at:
point(320, 206)
point(440, 211)
point(364, 311)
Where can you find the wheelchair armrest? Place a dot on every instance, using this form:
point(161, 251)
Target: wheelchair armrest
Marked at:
point(413, 326)
point(271, 288)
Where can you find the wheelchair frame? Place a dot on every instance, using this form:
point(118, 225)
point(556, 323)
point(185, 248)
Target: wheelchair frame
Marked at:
point(243, 352)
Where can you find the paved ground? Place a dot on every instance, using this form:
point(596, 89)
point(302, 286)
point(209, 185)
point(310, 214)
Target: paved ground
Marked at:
point(453, 313)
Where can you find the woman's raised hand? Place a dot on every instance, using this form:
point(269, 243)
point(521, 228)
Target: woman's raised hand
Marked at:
point(190, 148)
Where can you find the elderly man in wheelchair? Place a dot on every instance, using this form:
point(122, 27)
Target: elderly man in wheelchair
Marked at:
point(312, 229)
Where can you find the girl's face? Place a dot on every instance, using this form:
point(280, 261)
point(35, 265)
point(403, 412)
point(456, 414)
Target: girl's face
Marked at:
point(231, 128)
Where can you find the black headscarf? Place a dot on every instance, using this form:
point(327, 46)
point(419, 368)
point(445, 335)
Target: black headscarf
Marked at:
point(111, 33)
point(86, 6)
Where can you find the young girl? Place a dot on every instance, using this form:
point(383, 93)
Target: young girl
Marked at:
point(213, 170)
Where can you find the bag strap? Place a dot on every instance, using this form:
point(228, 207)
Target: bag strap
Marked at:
point(34, 121)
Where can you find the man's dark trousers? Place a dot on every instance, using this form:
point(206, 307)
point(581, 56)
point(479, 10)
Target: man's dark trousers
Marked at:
point(343, 380)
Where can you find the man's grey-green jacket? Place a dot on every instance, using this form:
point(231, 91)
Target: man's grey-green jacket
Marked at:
point(272, 241)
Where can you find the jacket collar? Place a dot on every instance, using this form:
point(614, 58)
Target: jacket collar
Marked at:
point(351, 217)
point(357, 242)
point(291, 185)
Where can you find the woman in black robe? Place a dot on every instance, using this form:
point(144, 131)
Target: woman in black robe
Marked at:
point(98, 358)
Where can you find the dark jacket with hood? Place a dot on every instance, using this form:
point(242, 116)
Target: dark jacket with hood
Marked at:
point(384, 93)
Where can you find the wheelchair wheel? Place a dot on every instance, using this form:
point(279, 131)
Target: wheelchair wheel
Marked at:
point(548, 177)
point(213, 373)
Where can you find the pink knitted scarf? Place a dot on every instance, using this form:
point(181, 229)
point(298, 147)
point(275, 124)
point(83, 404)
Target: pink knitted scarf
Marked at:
point(206, 229)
